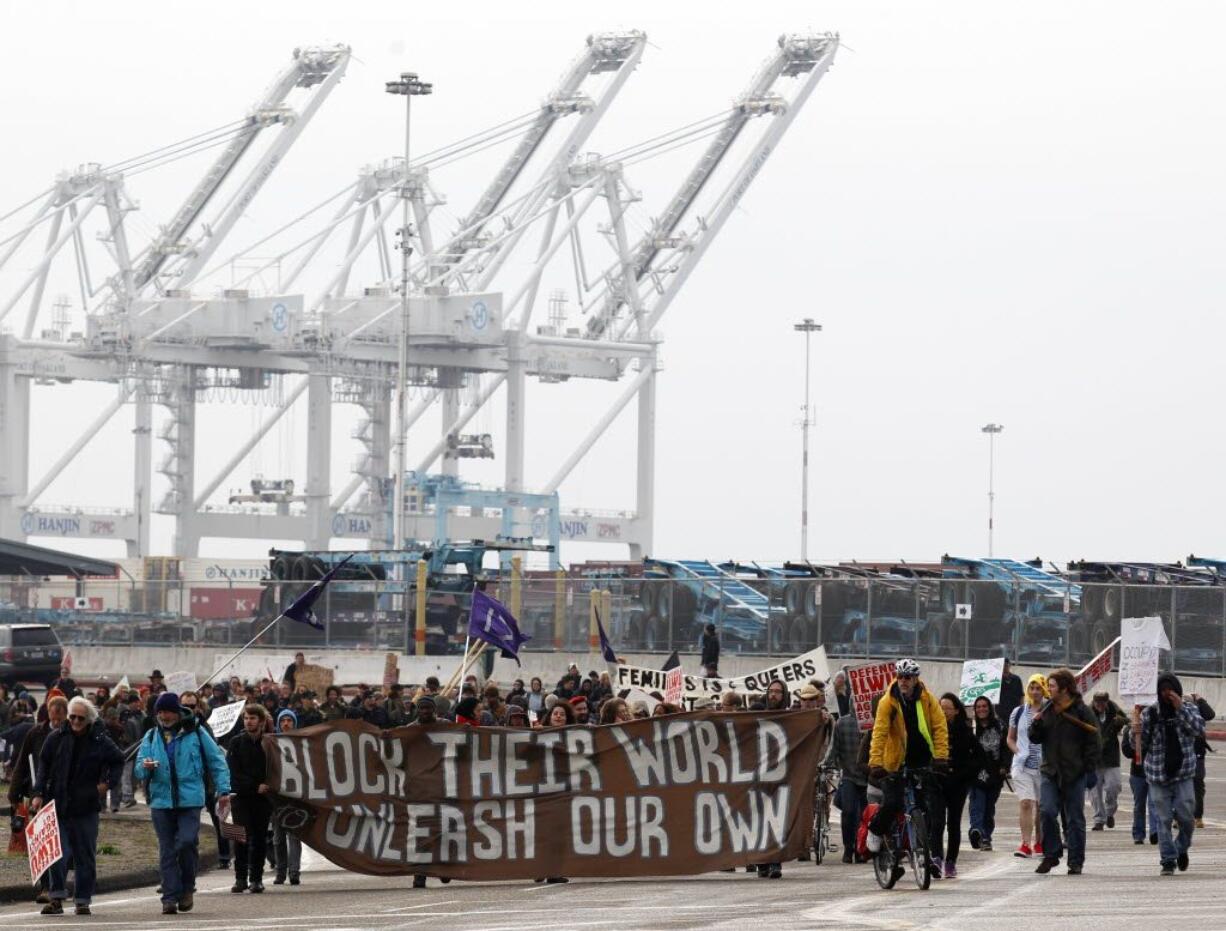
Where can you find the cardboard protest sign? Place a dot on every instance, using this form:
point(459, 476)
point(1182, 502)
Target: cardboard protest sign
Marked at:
point(224, 717)
point(981, 677)
point(43, 841)
point(1141, 641)
point(314, 678)
point(793, 673)
point(180, 682)
point(1090, 674)
point(675, 795)
point(867, 682)
point(674, 683)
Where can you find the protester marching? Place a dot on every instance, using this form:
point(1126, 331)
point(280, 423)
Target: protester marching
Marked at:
point(657, 772)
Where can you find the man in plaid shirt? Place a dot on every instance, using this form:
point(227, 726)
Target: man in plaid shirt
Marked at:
point(1169, 729)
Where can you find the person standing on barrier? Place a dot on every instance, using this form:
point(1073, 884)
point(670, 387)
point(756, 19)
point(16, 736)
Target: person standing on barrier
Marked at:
point(1065, 727)
point(251, 806)
point(1027, 758)
point(909, 730)
point(77, 765)
point(985, 789)
point(1169, 730)
point(175, 756)
point(1111, 720)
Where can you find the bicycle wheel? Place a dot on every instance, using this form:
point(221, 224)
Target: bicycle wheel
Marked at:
point(883, 867)
point(821, 832)
point(921, 858)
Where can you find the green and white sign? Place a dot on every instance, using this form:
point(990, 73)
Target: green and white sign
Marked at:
point(981, 677)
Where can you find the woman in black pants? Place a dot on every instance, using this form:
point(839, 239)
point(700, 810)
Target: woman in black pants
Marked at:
point(965, 756)
point(252, 808)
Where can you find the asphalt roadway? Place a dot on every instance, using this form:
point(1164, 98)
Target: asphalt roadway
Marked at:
point(1120, 889)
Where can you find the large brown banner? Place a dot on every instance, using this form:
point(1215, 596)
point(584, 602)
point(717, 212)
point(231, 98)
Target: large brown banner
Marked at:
point(680, 794)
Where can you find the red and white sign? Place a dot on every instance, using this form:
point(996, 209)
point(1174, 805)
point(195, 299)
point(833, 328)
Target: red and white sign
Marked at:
point(1090, 674)
point(867, 682)
point(72, 603)
point(674, 685)
point(43, 841)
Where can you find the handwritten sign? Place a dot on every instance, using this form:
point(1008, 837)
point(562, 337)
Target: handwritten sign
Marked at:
point(1142, 641)
point(867, 682)
point(981, 677)
point(180, 682)
point(43, 841)
point(674, 684)
point(224, 717)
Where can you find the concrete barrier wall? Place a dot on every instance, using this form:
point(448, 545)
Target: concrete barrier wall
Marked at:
point(110, 664)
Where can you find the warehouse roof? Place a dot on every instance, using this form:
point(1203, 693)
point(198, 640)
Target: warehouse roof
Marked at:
point(17, 558)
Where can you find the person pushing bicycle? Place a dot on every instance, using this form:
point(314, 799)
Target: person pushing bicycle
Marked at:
point(909, 731)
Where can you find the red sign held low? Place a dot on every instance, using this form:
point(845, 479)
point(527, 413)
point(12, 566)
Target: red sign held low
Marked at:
point(43, 841)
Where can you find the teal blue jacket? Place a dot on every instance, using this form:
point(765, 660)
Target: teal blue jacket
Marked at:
point(179, 780)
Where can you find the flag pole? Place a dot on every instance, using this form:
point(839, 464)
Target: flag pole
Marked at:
point(464, 662)
point(245, 647)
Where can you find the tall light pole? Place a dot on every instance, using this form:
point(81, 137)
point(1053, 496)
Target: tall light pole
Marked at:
point(808, 327)
point(409, 87)
point(991, 430)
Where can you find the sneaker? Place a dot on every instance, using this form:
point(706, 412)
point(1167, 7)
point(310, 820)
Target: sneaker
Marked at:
point(54, 907)
point(951, 871)
point(1074, 870)
point(256, 886)
point(238, 887)
point(986, 846)
point(1097, 827)
point(1200, 822)
point(1110, 821)
point(186, 903)
point(554, 880)
point(897, 873)
point(130, 803)
point(1138, 840)
point(280, 880)
point(169, 908)
point(775, 872)
point(1153, 839)
point(1168, 869)
point(1046, 865)
point(1038, 847)
point(1023, 851)
point(975, 836)
point(223, 864)
point(82, 910)
point(848, 857)
point(873, 842)
point(938, 867)
point(295, 881)
point(1182, 862)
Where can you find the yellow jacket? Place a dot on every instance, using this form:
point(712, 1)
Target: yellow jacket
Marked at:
point(889, 746)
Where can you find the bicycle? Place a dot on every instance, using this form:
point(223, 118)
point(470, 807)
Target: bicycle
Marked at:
point(909, 837)
point(823, 793)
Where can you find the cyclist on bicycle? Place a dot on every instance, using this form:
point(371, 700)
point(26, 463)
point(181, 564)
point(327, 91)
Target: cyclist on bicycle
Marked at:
point(910, 730)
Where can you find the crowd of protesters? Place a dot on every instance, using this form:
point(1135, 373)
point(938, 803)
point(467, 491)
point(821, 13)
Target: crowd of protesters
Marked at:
point(94, 752)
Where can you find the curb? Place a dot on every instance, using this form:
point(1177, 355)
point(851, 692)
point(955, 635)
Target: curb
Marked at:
point(107, 882)
point(1215, 735)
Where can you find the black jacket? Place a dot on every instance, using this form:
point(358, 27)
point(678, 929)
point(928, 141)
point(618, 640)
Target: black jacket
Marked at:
point(1070, 741)
point(966, 757)
point(710, 649)
point(76, 790)
point(22, 785)
point(248, 765)
point(1109, 735)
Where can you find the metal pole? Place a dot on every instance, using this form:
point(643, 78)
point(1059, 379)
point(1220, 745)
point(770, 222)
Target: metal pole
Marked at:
point(991, 430)
point(808, 327)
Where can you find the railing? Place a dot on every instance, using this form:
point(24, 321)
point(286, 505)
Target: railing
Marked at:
point(854, 618)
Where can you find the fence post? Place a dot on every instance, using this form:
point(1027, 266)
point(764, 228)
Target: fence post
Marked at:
point(1174, 631)
point(559, 609)
point(419, 609)
point(868, 635)
point(517, 585)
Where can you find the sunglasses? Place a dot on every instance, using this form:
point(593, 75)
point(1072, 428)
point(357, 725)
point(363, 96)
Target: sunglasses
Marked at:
point(77, 717)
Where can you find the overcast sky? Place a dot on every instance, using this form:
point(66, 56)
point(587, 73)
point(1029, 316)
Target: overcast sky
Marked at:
point(1007, 213)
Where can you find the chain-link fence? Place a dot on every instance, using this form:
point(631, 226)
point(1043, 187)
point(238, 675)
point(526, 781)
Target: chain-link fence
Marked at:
point(854, 618)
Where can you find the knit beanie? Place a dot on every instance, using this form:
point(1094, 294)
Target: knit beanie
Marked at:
point(286, 713)
point(167, 701)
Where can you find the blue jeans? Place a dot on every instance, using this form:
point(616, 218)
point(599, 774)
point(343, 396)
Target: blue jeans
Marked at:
point(178, 831)
point(1069, 799)
point(1141, 803)
point(1174, 800)
point(983, 809)
point(852, 800)
point(79, 842)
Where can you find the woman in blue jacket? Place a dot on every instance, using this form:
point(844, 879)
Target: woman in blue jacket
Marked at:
point(175, 759)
